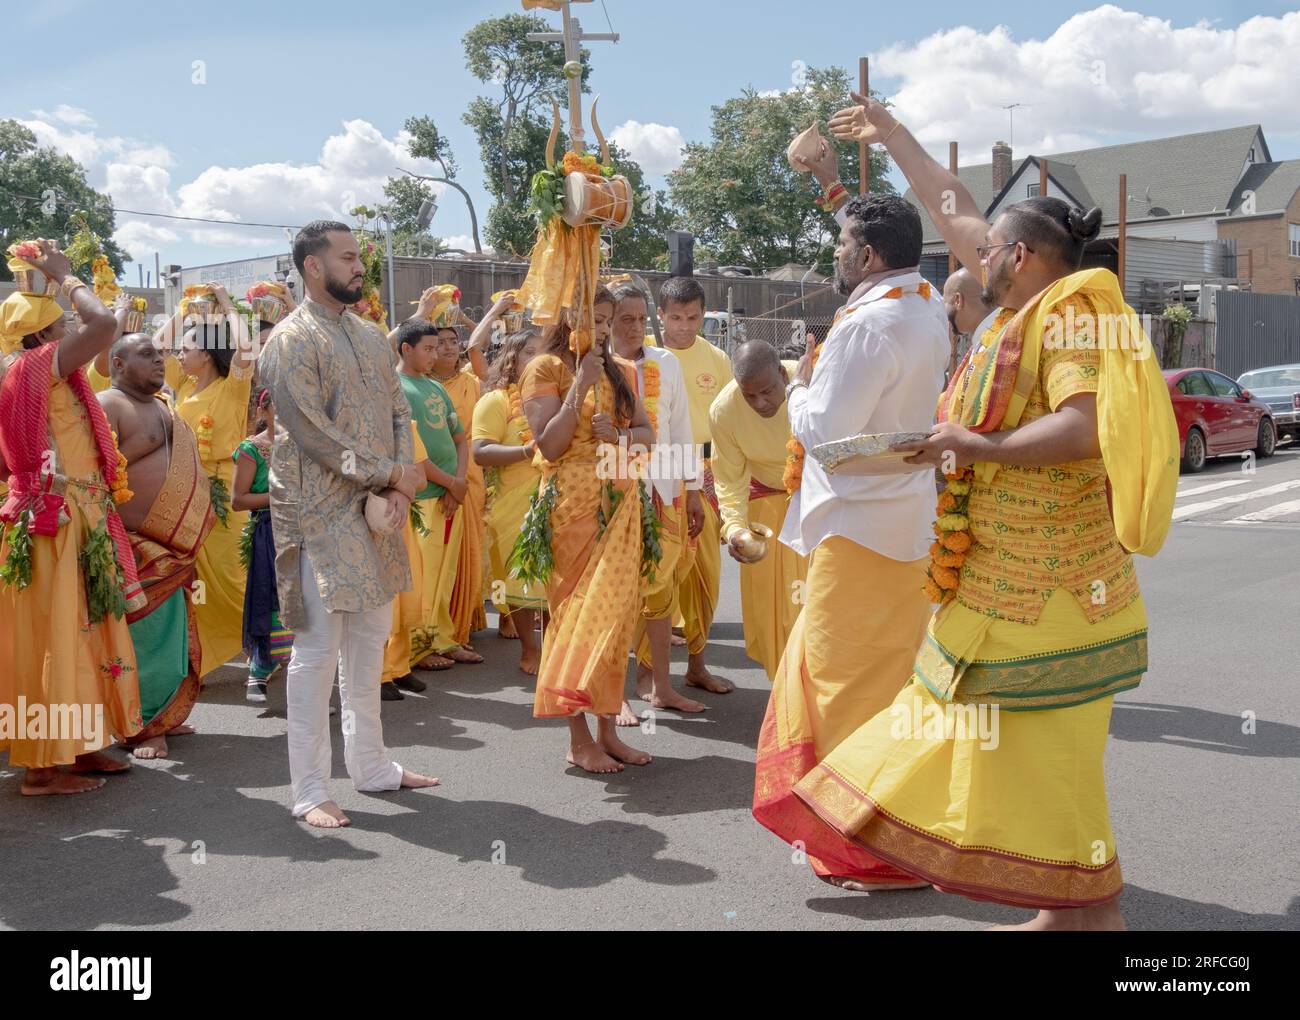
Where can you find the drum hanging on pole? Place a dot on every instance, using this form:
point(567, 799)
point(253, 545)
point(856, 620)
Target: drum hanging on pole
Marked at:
point(603, 200)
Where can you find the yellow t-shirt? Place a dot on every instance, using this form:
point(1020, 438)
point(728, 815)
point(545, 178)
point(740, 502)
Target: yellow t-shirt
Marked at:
point(494, 422)
point(706, 369)
point(745, 445)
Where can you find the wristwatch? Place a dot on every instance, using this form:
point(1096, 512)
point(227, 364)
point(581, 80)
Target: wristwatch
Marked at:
point(793, 385)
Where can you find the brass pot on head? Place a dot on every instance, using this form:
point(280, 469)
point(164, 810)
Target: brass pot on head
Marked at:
point(753, 542)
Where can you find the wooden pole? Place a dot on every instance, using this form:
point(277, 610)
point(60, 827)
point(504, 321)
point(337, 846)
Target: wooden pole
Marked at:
point(864, 164)
point(573, 51)
point(952, 167)
point(1122, 241)
point(1042, 177)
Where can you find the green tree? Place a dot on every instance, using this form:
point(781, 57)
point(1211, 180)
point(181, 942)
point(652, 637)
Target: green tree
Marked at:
point(41, 191)
point(739, 196)
point(512, 126)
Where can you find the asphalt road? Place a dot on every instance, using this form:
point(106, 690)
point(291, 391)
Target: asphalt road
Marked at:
point(1204, 813)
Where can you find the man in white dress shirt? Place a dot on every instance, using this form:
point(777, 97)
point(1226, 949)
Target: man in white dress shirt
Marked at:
point(675, 467)
point(880, 370)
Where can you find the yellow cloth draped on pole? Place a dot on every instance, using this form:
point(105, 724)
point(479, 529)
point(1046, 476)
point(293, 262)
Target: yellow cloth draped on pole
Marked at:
point(563, 274)
point(467, 612)
point(22, 315)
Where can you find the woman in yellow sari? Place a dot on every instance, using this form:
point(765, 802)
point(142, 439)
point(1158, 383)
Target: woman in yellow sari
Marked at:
point(218, 359)
point(504, 445)
point(595, 546)
point(67, 575)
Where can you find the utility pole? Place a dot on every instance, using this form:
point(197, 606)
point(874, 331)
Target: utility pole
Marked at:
point(573, 37)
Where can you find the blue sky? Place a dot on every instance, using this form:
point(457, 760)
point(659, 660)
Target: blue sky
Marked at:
point(264, 137)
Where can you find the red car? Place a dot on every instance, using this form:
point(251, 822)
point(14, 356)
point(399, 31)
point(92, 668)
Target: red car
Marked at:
point(1216, 417)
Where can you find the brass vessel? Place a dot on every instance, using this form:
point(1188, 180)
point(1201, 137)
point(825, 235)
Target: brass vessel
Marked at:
point(753, 542)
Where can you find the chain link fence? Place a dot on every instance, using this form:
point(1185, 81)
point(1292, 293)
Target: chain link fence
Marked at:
point(788, 336)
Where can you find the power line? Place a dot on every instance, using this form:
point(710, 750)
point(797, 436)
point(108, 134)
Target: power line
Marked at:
point(166, 216)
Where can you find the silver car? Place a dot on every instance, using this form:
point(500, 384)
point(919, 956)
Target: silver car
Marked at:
point(1279, 387)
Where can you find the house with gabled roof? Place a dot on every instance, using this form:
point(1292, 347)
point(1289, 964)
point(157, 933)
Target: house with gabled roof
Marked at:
point(1209, 206)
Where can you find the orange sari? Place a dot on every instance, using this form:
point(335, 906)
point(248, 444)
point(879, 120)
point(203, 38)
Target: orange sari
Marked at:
point(594, 591)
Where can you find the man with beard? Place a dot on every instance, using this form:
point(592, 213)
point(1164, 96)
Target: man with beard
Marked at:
point(851, 650)
point(167, 518)
point(343, 431)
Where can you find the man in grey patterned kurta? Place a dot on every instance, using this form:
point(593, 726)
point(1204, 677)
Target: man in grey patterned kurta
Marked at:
point(343, 431)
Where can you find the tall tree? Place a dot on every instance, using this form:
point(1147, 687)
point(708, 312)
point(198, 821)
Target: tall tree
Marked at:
point(43, 193)
point(512, 126)
point(739, 196)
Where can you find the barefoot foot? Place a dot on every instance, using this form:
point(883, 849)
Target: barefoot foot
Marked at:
point(645, 682)
point(39, 782)
point(620, 751)
point(591, 758)
point(670, 699)
point(415, 781)
point(326, 816)
point(705, 680)
point(853, 885)
point(464, 655)
point(434, 663)
point(626, 717)
point(98, 761)
point(184, 729)
point(529, 661)
point(154, 747)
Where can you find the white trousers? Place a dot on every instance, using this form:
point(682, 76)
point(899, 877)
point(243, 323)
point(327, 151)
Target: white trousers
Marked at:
point(354, 644)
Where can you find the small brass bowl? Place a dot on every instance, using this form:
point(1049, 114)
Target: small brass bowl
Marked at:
point(753, 543)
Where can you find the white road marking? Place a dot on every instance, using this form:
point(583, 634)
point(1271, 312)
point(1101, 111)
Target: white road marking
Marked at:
point(1240, 497)
point(1197, 490)
point(1269, 513)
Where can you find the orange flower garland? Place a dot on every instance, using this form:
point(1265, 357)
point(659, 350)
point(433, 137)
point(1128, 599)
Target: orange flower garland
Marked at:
point(517, 411)
point(652, 390)
point(792, 478)
point(954, 538)
point(204, 435)
point(121, 494)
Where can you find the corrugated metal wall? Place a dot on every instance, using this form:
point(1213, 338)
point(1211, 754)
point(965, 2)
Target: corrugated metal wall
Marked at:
point(1152, 258)
point(1255, 330)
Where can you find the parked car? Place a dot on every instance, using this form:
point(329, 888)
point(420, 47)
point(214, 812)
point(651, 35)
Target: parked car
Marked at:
point(1217, 417)
point(1279, 387)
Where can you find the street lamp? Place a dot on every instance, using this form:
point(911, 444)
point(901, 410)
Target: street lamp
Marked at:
point(428, 208)
point(473, 216)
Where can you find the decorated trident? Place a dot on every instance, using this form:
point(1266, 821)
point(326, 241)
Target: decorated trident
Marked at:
point(572, 200)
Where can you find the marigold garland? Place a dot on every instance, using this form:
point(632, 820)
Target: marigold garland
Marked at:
point(652, 391)
point(121, 493)
point(517, 411)
point(204, 435)
point(792, 478)
point(952, 529)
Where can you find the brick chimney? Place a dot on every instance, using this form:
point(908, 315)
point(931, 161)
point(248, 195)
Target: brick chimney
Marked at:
point(1001, 165)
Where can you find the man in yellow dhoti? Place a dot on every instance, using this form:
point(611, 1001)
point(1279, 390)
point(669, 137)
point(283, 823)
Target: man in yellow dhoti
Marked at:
point(1059, 439)
point(68, 683)
point(167, 518)
point(705, 371)
point(751, 430)
point(851, 649)
point(674, 480)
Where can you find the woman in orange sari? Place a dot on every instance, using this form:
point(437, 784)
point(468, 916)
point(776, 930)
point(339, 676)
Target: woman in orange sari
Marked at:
point(593, 559)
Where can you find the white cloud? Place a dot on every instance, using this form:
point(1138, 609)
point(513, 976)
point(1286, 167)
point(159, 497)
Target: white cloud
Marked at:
point(73, 116)
point(462, 241)
point(138, 174)
point(1104, 75)
point(656, 147)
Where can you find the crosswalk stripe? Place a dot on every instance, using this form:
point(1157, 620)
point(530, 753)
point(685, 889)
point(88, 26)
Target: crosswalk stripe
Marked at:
point(1239, 497)
point(1212, 487)
point(1269, 512)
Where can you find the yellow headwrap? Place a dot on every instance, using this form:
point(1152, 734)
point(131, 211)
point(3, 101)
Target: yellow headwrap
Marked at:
point(22, 315)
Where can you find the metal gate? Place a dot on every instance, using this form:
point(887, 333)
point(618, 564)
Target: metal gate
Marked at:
point(1255, 330)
